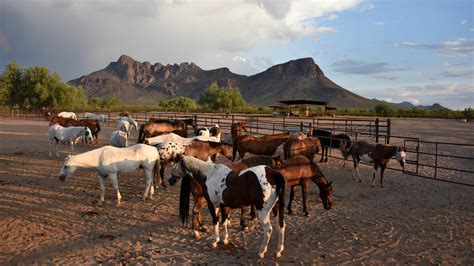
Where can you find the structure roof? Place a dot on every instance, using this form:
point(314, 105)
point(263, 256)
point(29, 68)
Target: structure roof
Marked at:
point(289, 102)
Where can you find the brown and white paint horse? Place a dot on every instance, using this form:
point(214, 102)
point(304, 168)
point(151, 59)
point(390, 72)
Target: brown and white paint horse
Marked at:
point(199, 199)
point(298, 171)
point(378, 154)
point(225, 189)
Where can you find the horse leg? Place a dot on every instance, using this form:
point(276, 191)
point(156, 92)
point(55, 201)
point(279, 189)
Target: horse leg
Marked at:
point(263, 216)
point(322, 154)
point(162, 174)
point(225, 221)
point(382, 169)
point(215, 221)
point(149, 184)
point(243, 220)
point(292, 195)
point(326, 155)
point(102, 187)
point(253, 213)
point(304, 190)
point(113, 178)
point(375, 172)
point(198, 203)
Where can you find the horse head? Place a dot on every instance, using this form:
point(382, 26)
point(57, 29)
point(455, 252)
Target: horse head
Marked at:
point(66, 169)
point(277, 162)
point(227, 150)
point(325, 193)
point(400, 155)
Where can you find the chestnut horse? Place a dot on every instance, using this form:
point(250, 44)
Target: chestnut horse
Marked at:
point(236, 128)
point(379, 154)
point(93, 125)
point(198, 193)
point(266, 145)
point(152, 129)
point(298, 171)
point(188, 121)
point(308, 146)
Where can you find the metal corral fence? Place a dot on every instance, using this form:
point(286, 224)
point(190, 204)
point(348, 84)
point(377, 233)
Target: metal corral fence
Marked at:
point(442, 161)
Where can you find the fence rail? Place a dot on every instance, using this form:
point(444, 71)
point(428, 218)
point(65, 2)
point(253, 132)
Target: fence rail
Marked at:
point(441, 161)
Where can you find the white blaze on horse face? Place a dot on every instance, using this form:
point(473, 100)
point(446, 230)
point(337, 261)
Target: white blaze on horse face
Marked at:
point(400, 157)
point(366, 158)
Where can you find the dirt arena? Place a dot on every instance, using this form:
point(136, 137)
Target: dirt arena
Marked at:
point(45, 221)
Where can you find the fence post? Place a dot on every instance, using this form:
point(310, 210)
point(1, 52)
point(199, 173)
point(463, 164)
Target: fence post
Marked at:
point(273, 128)
point(389, 130)
point(233, 119)
point(301, 126)
point(283, 124)
point(195, 120)
point(310, 132)
point(257, 124)
point(377, 130)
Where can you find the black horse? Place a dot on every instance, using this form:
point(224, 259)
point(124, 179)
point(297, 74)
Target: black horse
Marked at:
point(328, 140)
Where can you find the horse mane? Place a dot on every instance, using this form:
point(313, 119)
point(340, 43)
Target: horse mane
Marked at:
point(195, 163)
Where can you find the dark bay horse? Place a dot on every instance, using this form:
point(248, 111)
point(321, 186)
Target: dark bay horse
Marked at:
point(236, 128)
point(198, 193)
point(266, 145)
point(202, 150)
point(152, 129)
point(225, 189)
point(298, 171)
point(93, 125)
point(328, 140)
point(378, 154)
point(308, 146)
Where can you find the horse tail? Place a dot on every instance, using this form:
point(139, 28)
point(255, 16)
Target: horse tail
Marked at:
point(141, 134)
point(184, 199)
point(156, 170)
point(280, 190)
point(97, 129)
point(234, 149)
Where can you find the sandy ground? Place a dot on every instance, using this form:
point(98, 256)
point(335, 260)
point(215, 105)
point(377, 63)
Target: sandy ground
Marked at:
point(44, 221)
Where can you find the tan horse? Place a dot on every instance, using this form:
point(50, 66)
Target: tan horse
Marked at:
point(307, 147)
point(298, 171)
point(152, 129)
point(266, 145)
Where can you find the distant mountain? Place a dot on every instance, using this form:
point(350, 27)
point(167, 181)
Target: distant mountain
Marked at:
point(410, 106)
point(136, 82)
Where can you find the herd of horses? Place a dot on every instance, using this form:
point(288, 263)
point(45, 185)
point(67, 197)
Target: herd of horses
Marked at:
point(259, 182)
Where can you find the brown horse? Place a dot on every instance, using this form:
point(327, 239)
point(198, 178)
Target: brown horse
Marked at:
point(308, 147)
point(93, 125)
point(236, 128)
point(379, 154)
point(198, 192)
point(152, 129)
point(188, 121)
point(198, 149)
point(298, 171)
point(266, 145)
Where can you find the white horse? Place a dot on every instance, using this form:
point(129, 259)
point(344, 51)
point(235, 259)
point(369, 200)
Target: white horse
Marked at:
point(203, 132)
point(172, 137)
point(259, 185)
point(71, 135)
point(67, 115)
point(109, 161)
point(100, 118)
point(124, 126)
point(130, 120)
point(119, 139)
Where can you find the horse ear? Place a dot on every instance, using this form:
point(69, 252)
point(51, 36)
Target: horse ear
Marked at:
point(330, 183)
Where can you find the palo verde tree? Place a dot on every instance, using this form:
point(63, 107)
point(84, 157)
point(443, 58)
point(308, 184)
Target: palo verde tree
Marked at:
point(35, 87)
point(222, 98)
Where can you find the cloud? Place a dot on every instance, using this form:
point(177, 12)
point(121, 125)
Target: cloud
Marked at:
point(77, 37)
point(332, 17)
point(457, 48)
point(367, 7)
point(463, 22)
point(385, 77)
point(460, 70)
point(362, 67)
point(379, 23)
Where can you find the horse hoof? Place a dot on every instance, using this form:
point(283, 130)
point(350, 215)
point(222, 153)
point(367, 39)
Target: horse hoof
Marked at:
point(306, 214)
point(278, 254)
point(290, 212)
point(204, 229)
point(226, 241)
point(244, 228)
point(214, 244)
point(261, 255)
point(196, 235)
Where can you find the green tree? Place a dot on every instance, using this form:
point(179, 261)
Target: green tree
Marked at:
point(468, 114)
point(216, 98)
point(180, 103)
point(106, 103)
point(9, 81)
point(384, 110)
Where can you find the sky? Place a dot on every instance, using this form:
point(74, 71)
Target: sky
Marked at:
point(400, 50)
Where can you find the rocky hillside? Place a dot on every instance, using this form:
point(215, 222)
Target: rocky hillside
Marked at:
point(136, 82)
